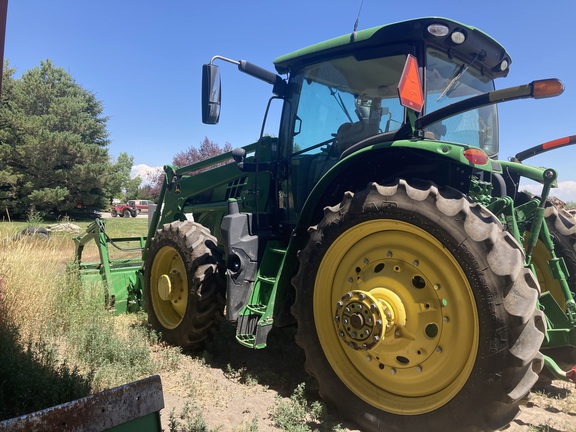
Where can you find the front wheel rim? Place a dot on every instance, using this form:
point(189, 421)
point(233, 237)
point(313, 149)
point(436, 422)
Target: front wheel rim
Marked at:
point(169, 287)
point(425, 349)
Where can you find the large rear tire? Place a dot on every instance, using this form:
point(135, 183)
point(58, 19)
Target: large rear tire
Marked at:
point(183, 288)
point(562, 227)
point(416, 313)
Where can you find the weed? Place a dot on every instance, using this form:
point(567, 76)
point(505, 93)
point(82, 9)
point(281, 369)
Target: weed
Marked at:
point(295, 414)
point(251, 426)
point(34, 218)
point(190, 419)
point(240, 375)
point(65, 219)
point(539, 428)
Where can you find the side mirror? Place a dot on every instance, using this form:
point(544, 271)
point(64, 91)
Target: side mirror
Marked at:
point(211, 94)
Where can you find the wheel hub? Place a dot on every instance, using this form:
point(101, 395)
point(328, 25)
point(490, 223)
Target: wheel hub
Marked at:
point(169, 287)
point(363, 318)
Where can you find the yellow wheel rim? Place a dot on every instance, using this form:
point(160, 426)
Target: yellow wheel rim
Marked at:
point(169, 287)
point(540, 257)
point(396, 317)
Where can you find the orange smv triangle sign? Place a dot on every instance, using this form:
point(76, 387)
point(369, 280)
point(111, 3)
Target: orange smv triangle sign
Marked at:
point(410, 87)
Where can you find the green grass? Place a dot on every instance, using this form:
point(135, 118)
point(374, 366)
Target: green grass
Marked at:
point(120, 227)
point(116, 227)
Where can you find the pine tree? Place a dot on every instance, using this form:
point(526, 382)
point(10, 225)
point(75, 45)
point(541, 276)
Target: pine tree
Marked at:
point(53, 144)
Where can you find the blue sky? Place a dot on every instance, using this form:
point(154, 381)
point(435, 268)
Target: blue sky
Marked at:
point(143, 60)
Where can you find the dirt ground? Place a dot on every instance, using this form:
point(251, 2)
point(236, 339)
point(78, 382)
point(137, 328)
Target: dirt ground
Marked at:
point(236, 388)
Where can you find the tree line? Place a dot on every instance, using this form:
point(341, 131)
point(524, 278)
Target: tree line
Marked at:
point(54, 158)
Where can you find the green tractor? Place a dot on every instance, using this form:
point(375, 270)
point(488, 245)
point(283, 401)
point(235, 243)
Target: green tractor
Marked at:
point(428, 290)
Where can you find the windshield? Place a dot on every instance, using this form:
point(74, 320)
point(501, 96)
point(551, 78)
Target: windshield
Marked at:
point(449, 81)
point(345, 100)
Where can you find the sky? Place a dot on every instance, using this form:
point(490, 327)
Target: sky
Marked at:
point(143, 60)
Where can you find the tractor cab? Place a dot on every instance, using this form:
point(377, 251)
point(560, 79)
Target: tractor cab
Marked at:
point(344, 91)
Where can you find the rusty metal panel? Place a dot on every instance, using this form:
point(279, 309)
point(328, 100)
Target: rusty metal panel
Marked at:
point(99, 412)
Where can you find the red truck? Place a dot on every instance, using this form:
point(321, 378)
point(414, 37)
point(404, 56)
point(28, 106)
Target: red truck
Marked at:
point(140, 205)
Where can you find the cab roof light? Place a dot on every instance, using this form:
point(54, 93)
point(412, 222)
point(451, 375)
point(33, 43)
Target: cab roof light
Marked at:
point(547, 88)
point(438, 30)
point(458, 37)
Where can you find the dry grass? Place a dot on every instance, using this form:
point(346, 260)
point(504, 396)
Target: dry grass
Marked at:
point(33, 269)
point(59, 326)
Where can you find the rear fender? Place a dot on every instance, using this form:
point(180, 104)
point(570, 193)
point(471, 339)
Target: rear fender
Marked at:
point(438, 162)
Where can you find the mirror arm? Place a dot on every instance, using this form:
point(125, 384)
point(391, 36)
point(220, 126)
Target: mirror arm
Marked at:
point(257, 72)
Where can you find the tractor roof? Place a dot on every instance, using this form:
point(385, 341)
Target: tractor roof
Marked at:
point(404, 33)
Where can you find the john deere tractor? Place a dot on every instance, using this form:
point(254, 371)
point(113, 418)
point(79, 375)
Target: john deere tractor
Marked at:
point(428, 290)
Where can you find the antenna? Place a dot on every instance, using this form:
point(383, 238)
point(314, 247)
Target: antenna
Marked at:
point(357, 19)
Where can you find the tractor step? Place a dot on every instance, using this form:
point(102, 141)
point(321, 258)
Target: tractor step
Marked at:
point(256, 318)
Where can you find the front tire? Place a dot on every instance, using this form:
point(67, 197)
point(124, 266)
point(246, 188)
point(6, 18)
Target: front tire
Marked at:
point(183, 285)
point(416, 313)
